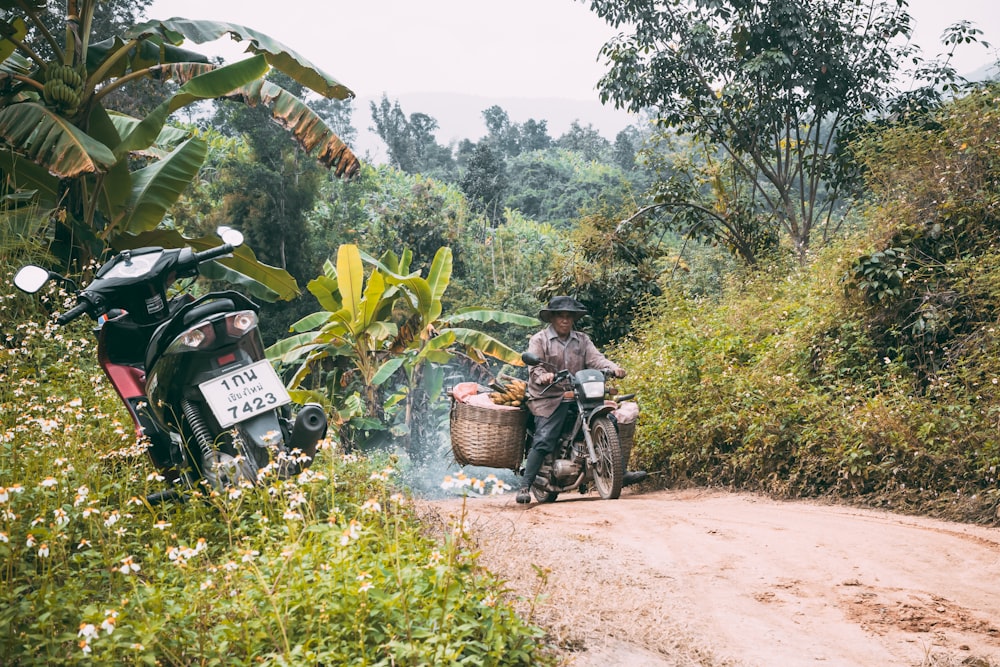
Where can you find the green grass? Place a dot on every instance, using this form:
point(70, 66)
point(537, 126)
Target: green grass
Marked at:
point(329, 568)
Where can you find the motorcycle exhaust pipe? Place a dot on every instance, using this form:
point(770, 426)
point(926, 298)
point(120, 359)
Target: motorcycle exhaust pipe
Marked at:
point(309, 428)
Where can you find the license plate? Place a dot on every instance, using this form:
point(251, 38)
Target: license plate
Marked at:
point(244, 393)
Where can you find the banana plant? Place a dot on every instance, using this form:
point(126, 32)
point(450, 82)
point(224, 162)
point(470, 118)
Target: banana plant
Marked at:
point(356, 325)
point(72, 155)
point(393, 323)
point(424, 297)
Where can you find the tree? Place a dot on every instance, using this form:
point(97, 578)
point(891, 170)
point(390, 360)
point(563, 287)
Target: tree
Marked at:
point(485, 182)
point(585, 140)
point(74, 156)
point(771, 83)
point(410, 141)
point(554, 185)
point(535, 136)
point(626, 145)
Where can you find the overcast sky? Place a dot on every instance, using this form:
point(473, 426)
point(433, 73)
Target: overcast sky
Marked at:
point(505, 48)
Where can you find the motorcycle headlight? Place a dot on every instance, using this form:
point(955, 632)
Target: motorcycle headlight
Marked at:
point(593, 389)
point(192, 339)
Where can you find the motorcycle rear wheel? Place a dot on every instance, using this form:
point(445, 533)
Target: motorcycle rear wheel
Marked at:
point(609, 470)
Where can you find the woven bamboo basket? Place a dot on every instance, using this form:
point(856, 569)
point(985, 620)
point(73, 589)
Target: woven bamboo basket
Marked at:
point(626, 436)
point(485, 437)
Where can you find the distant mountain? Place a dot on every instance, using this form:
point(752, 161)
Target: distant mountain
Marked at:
point(989, 72)
point(461, 116)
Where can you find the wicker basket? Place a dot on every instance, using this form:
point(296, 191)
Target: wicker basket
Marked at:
point(626, 436)
point(484, 437)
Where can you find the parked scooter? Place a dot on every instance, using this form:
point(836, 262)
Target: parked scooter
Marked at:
point(191, 371)
point(589, 449)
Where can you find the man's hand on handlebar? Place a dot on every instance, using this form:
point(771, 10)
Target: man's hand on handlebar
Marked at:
point(618, 373)
point(545, 377)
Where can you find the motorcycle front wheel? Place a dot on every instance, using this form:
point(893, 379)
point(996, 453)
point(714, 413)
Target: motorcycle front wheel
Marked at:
point(609, 470)
point(543, 496)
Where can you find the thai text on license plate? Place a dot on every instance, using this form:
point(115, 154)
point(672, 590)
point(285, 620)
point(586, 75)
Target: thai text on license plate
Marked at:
point(244, 393)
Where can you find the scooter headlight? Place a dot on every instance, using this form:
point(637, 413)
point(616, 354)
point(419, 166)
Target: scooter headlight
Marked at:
point(593, 389)
point(240, 322)
point(193, 339)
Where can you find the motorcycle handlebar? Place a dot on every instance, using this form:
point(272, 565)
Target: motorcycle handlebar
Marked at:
point(213, 253)
point(73, 313)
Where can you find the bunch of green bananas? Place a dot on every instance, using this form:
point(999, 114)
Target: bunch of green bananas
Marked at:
point(63, 88)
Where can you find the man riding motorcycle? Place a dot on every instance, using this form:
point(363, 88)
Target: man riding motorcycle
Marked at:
point(560, 347)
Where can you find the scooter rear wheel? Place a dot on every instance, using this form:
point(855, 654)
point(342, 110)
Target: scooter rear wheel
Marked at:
point(609, 470)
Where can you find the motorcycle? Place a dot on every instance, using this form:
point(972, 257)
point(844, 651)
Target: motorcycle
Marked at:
point(191, 372)
point(589, 448)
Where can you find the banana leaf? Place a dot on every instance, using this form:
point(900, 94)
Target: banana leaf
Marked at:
point(386, 370)
point(310, 322)
point(208, 83)
point(176, 30)
point(486, 315)
point(350, 278)
point(28, 173)
point(486, 344)
point(326, 289)
point(49, 140)
point(439, 277)
point(306, 126)
point(157, 187)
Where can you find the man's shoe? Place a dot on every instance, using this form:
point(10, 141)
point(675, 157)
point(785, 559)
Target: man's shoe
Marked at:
point(633, 477)
point(523, 496)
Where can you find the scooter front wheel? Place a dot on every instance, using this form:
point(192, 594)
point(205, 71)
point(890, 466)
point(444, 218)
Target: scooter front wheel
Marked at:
point(608, 470)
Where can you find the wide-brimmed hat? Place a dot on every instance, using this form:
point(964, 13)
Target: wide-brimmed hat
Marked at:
point(564, 304)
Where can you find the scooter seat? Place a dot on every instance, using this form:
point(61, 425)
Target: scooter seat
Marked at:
point(187, 316)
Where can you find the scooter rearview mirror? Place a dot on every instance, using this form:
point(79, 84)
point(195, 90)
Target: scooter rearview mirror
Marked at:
point(231, 236)
point(31, 278)
point(530, 359)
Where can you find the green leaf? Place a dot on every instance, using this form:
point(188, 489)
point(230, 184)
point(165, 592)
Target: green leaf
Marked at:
point(386, 370)
point(327, 292)
point(209, 84)
point(438, 278)
point(433, 382)
point(417, 286)
point(278, 55)
point(115, 189)
point(53, 142)
point(29, 175)
point(17, 29)
point(310, 322)
point(147, 53)
point(487, 315)
point(372, 300)
point(168, 139)
point(487, 345)
point(158, 187)
point(350, 276)
point(283, 349)
point(303, 396)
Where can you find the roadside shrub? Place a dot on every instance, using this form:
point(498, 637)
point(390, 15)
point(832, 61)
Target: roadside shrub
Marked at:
point(780, 387)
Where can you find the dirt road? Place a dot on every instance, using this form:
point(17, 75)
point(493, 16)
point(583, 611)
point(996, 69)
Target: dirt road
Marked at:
point(718, 579)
